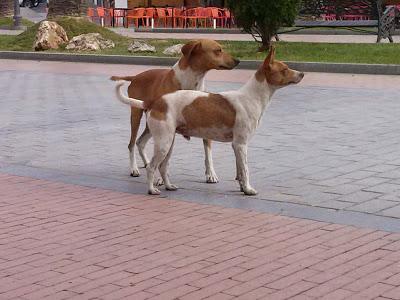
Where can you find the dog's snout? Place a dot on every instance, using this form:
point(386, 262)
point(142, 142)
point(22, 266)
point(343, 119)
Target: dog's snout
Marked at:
point(301, 75)
point(237, 61)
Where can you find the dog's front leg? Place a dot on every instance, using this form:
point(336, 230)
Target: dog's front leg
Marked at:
point(238, 173)
point(240, 150)
point(211, 176)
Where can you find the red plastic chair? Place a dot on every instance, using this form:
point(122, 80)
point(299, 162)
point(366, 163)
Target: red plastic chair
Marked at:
point(118, 15)
point(104, 15)
point(177, 17)
point(229, 18)
point(150, 14)
point(328, 17)
point(218, 17)
point(162, 17)
point(137, 14)
point(204, 17)
point(190, 17)
point(91, 14)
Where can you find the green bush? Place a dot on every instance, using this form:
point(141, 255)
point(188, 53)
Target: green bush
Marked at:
point(263, 18)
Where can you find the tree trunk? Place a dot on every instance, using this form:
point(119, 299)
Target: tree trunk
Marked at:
point(74, 8)
point(6, 8)
point(265, 41)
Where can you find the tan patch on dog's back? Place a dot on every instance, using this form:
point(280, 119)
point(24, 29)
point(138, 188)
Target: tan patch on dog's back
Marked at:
point(207, 112)
point(159, 109)
point(151, 85)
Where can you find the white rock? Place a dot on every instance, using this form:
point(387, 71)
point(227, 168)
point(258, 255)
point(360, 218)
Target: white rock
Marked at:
point(50, 35)
point(174, 50)
point(140, 46)
point(89, 41)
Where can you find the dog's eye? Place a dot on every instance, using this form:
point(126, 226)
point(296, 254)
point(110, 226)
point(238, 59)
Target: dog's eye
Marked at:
point(218, 51)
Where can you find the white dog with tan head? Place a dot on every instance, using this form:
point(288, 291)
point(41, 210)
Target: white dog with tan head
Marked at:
point(231, 116)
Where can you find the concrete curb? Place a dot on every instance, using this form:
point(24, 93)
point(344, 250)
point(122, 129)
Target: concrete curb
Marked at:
point(168, 61)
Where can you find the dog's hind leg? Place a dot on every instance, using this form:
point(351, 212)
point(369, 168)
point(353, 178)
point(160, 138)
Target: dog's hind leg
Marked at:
point(211, 176)
point(141, 144)
point(162, 146)
point(136, 115)
point(164, 170)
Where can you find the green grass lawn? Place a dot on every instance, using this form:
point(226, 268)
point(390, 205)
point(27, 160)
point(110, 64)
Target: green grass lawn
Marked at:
point(293, 51)
point(8, 22)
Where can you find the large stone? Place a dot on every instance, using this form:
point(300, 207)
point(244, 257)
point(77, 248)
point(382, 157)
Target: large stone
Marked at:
point(50, 35)
point(174, 50)
point(89, 41)
point(140, 46)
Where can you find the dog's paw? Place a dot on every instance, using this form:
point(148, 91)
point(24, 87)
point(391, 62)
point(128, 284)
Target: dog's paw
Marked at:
point(145, 163)
point(212, 178)
point(158, 181)
point(135, 173)
point(154, 191)
point(249, 191)
point(171, 187)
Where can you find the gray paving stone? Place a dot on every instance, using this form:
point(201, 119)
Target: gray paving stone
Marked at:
point(334, 148)
point(373, 206)
point(359, 196)
point(358, 175)
point(385, 188)
point(391, 212)
point(382, 168)
point(340, 205)
point(392, 174)
point(337, 181)
point(371, 181)
point(343, 189)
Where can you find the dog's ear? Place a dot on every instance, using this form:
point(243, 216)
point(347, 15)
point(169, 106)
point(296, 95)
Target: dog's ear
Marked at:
point(188, 48)
point(270, 58)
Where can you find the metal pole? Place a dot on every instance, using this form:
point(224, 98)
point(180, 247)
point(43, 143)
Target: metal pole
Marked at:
point(17, 16)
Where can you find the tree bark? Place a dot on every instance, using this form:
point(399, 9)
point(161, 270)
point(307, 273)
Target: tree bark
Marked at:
point(265, 41)
point(74, 8)
point(6, 8)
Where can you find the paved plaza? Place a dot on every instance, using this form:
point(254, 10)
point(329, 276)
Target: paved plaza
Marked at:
point(75, 225)
point(320, 145)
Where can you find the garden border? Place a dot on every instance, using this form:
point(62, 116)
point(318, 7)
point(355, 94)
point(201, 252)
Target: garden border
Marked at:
point(376, 69)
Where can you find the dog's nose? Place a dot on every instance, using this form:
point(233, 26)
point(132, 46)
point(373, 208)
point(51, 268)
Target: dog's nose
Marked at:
point(301, 74)
point(237, 61)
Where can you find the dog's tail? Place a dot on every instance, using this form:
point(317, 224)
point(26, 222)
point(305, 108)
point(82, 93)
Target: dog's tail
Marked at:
point(124, 99)
point(126, 78)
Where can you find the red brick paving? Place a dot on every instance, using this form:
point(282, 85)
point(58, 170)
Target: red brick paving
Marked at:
point(60, 241)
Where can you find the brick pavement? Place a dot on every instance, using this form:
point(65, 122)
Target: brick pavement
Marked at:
point(330, 142)
point(61, 241)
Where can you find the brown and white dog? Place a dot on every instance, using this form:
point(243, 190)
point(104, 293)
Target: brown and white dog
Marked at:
point(226, 117)
point(188, 73)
